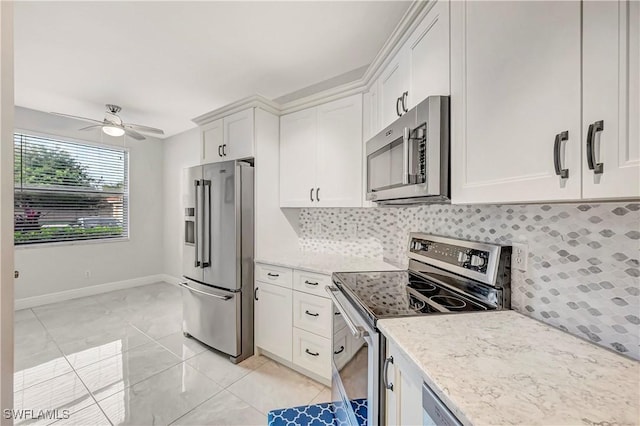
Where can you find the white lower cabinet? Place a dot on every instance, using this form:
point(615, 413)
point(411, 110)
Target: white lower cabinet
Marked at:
point(403, 396)
point(273, 319)
point(294, 320)
point(312, 352)
point(342, 347)
point(312, 313)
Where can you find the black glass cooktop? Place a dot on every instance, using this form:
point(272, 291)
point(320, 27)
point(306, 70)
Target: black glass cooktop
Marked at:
point(402, 293)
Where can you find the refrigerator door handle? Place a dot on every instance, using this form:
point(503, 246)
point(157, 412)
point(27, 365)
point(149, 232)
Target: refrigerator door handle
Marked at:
point(193, 290)
point(206, 218)
point(196, 237)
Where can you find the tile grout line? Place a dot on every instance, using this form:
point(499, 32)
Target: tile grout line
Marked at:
point(202, 403)
point(74, 371)
point(97, 302)
point(241, 398)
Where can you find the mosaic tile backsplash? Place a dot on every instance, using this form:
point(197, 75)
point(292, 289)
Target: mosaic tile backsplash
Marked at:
point(583, 272)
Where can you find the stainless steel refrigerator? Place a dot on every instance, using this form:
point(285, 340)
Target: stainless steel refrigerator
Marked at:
point(217, 292)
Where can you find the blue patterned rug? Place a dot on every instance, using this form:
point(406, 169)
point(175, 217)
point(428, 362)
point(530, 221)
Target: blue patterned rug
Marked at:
point(325, 414)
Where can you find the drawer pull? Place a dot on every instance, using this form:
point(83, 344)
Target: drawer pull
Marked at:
point(311, 353)
point(339, 350)
point(307, 282)
point(273, 275)
point(311, 314)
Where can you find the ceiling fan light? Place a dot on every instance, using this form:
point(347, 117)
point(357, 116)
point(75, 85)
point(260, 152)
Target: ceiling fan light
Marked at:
point(114, 131)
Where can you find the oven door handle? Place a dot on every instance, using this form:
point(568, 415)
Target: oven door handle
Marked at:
point(357, 331)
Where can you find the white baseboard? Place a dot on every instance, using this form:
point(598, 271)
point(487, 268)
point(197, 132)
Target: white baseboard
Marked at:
point(170, 279)
point(31, 302)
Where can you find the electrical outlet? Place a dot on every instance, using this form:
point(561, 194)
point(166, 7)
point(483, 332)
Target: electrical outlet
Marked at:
point(519, 255)
point(87, 274)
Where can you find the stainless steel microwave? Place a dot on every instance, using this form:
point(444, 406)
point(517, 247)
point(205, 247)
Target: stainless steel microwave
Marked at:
point(408, 162)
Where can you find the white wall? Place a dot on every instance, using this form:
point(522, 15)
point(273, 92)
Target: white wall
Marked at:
point(51, 269)
point(276, 229)
point(180, 151)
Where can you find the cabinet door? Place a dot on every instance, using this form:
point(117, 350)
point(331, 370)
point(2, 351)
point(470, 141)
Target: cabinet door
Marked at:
point(392, 402)
point(391, 85)
point(611, 96)
point(515, 86)
point(212, 143)
point(339, 153)
point(274, 319)
point(298, 158)
point(404, 401)
point(427, 55)
point(238, 135)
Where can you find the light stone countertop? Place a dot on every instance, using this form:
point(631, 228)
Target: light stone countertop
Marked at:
point(324, 263)
point(505, 368)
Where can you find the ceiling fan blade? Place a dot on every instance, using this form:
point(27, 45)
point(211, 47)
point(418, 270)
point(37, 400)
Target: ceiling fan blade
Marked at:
point(145, 129)
point(93, 126)
point(91, 120)
point(134, 134)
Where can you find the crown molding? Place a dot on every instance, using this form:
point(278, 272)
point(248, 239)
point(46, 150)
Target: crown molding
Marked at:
point(254, 101)
point(325, 96)
point(400, 34)
point(410, 20)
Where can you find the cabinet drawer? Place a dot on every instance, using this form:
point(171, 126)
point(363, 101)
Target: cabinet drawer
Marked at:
point(312, 352)
point(312, 313)
point(342, 348)
point(274, 275)
point(311, 283)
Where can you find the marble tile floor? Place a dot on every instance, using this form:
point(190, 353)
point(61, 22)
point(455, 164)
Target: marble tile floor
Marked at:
point(120, 358)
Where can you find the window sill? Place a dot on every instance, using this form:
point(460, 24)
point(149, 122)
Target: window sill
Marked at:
point(71, 243)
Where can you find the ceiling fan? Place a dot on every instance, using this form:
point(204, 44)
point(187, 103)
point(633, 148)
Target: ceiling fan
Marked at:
point(113, 125)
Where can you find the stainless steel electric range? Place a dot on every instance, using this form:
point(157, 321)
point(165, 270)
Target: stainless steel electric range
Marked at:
point(445, 276)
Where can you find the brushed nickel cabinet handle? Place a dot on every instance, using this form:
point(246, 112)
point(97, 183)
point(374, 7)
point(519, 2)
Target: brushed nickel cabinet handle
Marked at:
point(598, 168)
point(557, 146)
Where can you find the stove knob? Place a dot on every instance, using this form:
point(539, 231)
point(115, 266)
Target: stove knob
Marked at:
point(462, 257)
point(477, 261)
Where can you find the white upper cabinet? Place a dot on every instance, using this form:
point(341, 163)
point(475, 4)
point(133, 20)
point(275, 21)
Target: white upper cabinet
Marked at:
point(339, 153)
point(419, 69)
point(230, 138)
point(321, 155)
point(611, 96)
point(392, 86)
point(298, 136)
point(238, 135)
point(515, 101)
point(212, 143)
point(427, 56)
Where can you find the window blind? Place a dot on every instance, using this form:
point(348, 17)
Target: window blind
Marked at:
point(68, 191)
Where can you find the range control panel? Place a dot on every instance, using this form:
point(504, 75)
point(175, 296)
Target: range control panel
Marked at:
point(463, 257)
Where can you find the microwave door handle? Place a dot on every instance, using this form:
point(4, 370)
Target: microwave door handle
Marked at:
point(196, 238)
point(406, 140)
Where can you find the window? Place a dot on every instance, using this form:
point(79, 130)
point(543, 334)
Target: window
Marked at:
point(68, 191)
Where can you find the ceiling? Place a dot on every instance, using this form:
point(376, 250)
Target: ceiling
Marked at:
point(168, 62)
